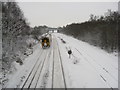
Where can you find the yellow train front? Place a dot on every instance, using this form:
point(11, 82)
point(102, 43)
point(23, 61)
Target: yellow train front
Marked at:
point(45, 42)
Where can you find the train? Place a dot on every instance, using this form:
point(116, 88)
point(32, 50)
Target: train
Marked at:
point(46, 41)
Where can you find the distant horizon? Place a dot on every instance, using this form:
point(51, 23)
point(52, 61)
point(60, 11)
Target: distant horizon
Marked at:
point(59, 14)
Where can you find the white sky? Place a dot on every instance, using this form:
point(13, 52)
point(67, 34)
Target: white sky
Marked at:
point(55, 14)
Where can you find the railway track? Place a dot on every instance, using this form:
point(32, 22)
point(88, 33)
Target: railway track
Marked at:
point(47, 71)
point(58, 72)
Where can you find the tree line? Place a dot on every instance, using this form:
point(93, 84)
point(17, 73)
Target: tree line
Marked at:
point(101, 31)
point(38, 30)
point(15, 31)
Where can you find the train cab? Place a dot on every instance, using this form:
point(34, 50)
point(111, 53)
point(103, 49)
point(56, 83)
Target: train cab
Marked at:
point(45, 42)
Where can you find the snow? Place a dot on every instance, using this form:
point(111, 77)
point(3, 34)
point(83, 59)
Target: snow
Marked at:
point(92, 67)
point(23, 71)
point(87, 67)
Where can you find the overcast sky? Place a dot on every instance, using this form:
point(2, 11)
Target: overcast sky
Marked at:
point(55, 14)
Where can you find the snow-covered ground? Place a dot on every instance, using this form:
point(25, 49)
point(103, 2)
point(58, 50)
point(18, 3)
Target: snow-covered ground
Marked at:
point(93, 68)
point(87, 67)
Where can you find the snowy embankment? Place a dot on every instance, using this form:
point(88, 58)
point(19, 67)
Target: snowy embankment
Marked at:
point(22, 50)
point(16, 78)
point(89, 66)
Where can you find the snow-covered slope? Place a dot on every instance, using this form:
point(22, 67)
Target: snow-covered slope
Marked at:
point(86, 67)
